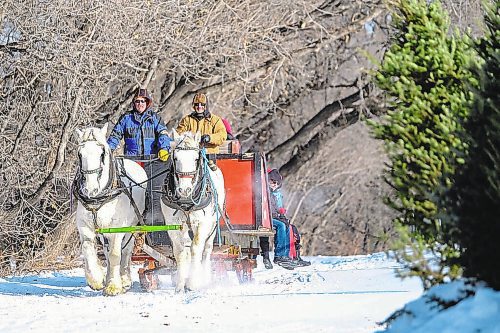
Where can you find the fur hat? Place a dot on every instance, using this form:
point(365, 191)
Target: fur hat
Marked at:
point(143, 93)
point(200, 98)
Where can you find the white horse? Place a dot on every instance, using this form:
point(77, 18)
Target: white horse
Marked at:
point(108, 196)
point(194, 197)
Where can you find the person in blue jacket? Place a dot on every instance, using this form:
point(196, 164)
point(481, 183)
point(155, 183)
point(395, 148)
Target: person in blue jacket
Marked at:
point(278, 211)
point(280, 222)
point(142, 129)
point(146, 137)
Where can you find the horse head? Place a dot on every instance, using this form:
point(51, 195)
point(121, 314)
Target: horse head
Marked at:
point(187, 162)
point(94, 156)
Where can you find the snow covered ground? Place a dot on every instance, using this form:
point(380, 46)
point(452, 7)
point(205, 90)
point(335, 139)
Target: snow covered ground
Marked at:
point(334, 294)
point(450, 308)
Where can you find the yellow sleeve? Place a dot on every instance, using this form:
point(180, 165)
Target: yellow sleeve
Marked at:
point(183, 125)
point(220, 134)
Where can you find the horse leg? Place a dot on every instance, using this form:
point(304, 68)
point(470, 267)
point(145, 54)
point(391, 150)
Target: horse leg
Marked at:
point(113, 279)
point(207, 260)
point(183, 262)
point(197, 278)
point(94, 272)
point(180, 246)
point(125, 262)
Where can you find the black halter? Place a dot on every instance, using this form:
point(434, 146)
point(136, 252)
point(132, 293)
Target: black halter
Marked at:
point(187, 173)
point(109, 191)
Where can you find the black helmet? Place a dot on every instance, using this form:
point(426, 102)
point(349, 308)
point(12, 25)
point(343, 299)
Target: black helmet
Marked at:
point(274, 175)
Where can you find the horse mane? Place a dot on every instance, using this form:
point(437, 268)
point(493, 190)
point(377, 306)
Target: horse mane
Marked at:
point(187, 140)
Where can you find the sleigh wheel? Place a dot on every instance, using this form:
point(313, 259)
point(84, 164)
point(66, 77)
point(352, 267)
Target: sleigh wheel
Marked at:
point(244, 269)
point(147, 276)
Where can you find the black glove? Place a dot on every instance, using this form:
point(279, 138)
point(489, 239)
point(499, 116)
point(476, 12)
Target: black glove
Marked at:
point(205, 138)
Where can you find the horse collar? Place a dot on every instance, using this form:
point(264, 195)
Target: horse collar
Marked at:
point(199, 199)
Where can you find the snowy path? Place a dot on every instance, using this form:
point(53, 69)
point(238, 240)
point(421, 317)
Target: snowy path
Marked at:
point(334, 294)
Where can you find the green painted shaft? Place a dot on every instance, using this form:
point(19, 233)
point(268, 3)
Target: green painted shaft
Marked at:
point(139, 228)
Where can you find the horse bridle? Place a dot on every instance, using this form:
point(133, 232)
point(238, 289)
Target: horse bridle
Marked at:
point(187, 174)
point(200, 196)
point(100, 168)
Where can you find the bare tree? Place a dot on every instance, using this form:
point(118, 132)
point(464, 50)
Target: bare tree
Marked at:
point(65, 64)
point(282, 71)
point(337, 202)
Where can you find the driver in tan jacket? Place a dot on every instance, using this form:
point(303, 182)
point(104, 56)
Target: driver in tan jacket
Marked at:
point(212, 129)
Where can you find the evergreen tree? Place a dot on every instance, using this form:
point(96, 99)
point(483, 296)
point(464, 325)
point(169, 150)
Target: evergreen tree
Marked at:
point(425, 75)
point(475, 197)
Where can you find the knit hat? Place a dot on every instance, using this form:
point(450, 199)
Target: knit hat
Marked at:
point(274, 175)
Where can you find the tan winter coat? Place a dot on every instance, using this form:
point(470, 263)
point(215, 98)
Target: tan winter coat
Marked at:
point(212, 126)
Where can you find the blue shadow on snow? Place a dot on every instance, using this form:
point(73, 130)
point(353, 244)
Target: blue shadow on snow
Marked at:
point(56, 285)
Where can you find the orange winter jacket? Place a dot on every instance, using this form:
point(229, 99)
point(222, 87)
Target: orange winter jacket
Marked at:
point(211, 125)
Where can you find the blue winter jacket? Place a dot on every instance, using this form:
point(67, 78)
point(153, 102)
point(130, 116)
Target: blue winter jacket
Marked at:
point(144, 133)
point(276, 202)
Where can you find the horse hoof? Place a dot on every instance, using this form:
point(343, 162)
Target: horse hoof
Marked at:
point(126, 282)
point(113, 290)
point(96, 287)
point(95, 284)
